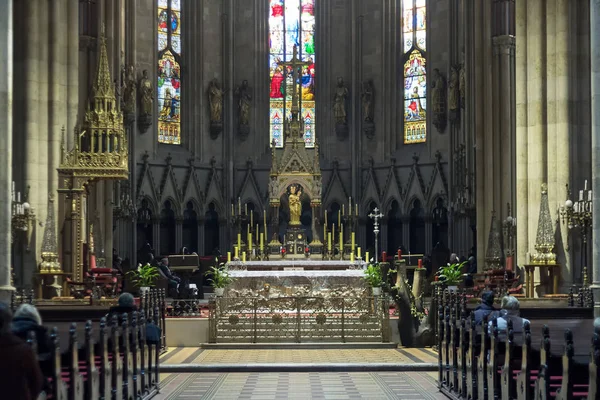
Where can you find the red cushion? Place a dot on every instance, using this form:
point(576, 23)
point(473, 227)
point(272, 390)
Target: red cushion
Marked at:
point(101, 270)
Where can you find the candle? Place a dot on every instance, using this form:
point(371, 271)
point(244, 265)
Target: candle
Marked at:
point(246, 208)
point(324, 232)
point(329, 241)
point(339, 218)
point(239, 241)
point(343, 210)
point(243, 256)
point(251, 217)
point(590, 195)
point(356, 205)
point(262, 241)
point(420, 263)
point(228, 256)
point(367, 256)
point(384, 257)
point(239, 205)
point(585, 188)
point(358, 249)
point(341, 243)
point(249, 241)
point(351, 257)
point(325, 218)
point(350, 205)
point(353, 241)
point(236, 252)
point(18, 197)
point(581, 195)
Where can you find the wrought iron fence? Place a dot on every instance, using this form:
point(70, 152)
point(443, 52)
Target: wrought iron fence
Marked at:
point(299, 319)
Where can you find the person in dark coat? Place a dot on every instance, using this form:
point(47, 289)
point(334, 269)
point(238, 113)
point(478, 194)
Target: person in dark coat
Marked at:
point(27, 319)
point(126, 304)
point(20, 374)
point(486, 308)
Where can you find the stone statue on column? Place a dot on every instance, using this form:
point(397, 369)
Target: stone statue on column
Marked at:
point(146, 89)
point(368, 103)
point(339, 109)
point(454, 95)
point(215, 101)
point(438, 97)
point(129, 91)
point(244, 94)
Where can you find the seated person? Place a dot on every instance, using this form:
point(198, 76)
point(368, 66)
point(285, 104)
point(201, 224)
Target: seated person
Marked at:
point(509, 311)
point(163, 265)
point(20, 373)
point(126, 304)
point(486, 308)
point(27, 319)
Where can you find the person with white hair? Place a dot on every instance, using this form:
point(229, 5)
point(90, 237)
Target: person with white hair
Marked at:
point(27, 319)
point(20, 373)
point(510, 310)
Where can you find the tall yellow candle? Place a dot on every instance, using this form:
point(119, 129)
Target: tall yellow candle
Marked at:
point(342, 238)
point(239, 205)
point(358, 250)
point(340, 218)
point(251, 217)
point(243, 256)
point(239, 241)
point(325, 219)
point(228, 256)
point(329, 241)
point(324, 232)
point(250, 242)
point(366, 256)
point(236, 252)
point(351, 257)
point(333, 231)
point(353, 239)
point(262, 241)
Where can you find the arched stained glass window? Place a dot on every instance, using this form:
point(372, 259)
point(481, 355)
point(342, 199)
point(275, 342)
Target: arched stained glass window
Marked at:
point(291, 23)
point(169, 71)
point(414, 14)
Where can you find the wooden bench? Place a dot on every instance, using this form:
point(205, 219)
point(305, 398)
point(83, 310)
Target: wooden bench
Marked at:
point(474, 364)
point(119, 365)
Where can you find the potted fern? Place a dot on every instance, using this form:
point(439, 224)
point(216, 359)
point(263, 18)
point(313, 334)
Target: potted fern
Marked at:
point(373, 277)
point(219, 278)
point(144, 277)
point(451, 275)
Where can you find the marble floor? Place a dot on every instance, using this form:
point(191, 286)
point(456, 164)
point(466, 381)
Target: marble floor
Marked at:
point(309, 385)
point(369, 385)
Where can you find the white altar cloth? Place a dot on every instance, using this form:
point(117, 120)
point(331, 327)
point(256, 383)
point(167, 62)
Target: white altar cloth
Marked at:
point(349, 273)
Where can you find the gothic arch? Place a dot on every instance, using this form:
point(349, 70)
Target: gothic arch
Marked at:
point(388, 205)
point(367, 204)
point(433, 202)
point(175, 205)
point(152, 206)
point(218, 207)
point(197, 207)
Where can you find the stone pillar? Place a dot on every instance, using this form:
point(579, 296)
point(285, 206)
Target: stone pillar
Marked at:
point(6, 98)
point(504, 136)
point(595, 89)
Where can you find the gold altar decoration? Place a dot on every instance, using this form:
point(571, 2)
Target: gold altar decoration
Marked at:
point(493, 254)
point(50, 263)
point(100, 152)
point(295, 172)
point(544, 242)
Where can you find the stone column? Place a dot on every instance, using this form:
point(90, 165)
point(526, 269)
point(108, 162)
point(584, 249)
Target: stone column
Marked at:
point(6, 97)
point(595, 89)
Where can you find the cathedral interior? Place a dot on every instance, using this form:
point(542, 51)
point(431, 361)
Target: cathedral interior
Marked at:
point(222, 127)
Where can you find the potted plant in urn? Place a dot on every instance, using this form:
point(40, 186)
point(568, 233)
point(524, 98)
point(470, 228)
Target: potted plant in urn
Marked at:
point(144, 277)
point(451, 275)
point(219, 278)
point(374, 277)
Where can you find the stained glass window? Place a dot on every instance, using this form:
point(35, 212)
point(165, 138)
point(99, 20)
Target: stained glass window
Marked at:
point(291, 23)
point(414, 70)
point(169, 71)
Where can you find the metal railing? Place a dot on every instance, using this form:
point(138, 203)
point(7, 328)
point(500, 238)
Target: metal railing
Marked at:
point(299, 319)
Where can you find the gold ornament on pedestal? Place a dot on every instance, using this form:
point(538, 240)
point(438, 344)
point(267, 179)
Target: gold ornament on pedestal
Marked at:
point(544, 242)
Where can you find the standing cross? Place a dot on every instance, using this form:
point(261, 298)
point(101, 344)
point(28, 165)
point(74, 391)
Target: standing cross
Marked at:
point(294, 63)
point(376, 216)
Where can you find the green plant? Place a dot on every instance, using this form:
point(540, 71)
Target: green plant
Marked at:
point(219, 276)
point(144, 275)
point(373, 275)
point(451, 274)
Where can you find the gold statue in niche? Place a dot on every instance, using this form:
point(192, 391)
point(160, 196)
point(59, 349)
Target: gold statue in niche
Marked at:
point(295, 204)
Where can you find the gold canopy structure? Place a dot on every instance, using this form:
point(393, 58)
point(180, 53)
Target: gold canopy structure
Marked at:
point(100, 152)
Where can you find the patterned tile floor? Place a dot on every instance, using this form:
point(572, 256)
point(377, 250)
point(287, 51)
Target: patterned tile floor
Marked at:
point(310, 385)
point(191, 355)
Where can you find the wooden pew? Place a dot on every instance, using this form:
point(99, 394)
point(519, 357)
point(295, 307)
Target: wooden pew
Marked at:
point(109, 369)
